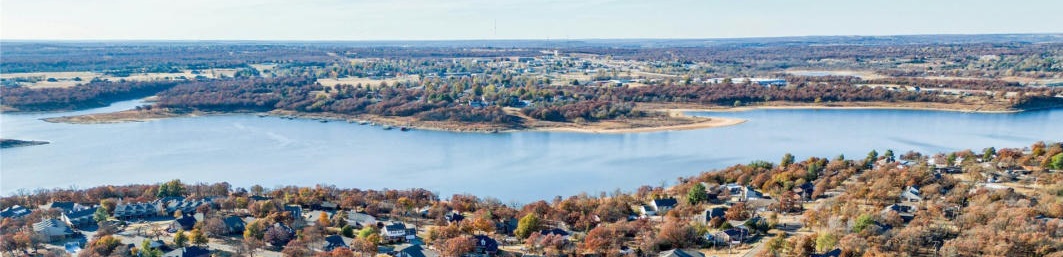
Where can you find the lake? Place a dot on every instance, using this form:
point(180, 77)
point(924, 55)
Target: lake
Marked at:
point(514, 167)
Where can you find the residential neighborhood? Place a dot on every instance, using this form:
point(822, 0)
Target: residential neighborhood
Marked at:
point(766, 209)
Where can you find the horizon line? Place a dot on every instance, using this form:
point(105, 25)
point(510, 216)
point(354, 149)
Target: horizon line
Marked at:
point(1059, 34)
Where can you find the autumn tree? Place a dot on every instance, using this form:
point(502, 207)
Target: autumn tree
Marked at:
point(737, 212)
point(458, 246)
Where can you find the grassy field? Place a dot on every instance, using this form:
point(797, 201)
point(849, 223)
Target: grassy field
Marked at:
point(69, 78)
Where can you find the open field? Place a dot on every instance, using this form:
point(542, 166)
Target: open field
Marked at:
point(329, 82)
point(73, 78)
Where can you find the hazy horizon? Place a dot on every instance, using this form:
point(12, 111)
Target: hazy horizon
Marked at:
point(426, 20)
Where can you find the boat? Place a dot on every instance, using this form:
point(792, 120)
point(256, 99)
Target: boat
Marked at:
point(404, 129)
point(386, 127)
point(323, 120)
point(261, 115)
point(363, 122)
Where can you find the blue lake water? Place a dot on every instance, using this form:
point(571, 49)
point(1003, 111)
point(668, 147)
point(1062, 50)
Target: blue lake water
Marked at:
point(522, 167)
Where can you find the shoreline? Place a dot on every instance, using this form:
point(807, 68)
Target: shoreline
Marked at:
point(674, 117)
point(677, 120)
point(844, 106)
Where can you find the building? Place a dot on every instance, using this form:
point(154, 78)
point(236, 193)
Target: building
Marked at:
point(453, 217)
point(409, 250)
point(80, 217)
point(658, 207)
point(805, 191)
point(733, 236)
point(663, 205)
point(911, 194)
point(53, 229)
point(360, 220)
point(334, 241)
point(555, 231)
point(297, 211)
point(906, 212)
point(14, 212)
point(234, 224)
point(740, 193)
point(191, 251)
point(715, 212)
point(680, 253)
point(394, 232)
point(186, 222)
point(485, 245)
point(127, 211)
point(184, 205)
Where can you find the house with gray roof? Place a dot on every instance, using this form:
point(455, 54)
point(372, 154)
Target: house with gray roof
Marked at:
point(53, 229)
point(80, 217)
point(15, 211)
point(680, 253)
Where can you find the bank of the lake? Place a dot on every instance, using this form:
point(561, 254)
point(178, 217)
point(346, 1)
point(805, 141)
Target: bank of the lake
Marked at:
point(522, 166)
point(660, 120)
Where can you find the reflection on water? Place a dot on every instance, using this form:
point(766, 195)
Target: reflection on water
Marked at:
point(246, 150)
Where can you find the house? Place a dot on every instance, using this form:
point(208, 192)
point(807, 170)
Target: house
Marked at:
point(911, 194)
point(662, 206)
point(906, 212)
point(259, 198)
point(555, 231)
point(359, 220)
point(295, 210)
point(333, 242)
point(234, 224)
point(410, 250)
point(394, 232)
point(658, 207)
point(733, 236)
point(805, 190)
point(485, 245)
point(186, 222)
point(715, 212)
point(62, 206)
point(327, 206)
point(52, 229)
point(506, 226)
point(15, 211)
point(740, 193)
point(680, 253)
point(285, 229)
point(191, 251)
point(453, 217)
point(80, 217)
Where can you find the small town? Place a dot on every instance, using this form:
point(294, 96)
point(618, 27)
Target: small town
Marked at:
point(908, 204)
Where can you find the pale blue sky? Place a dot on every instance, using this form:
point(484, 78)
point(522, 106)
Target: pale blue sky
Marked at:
point(514, 19)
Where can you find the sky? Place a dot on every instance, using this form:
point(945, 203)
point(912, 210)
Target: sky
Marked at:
point(513, 19)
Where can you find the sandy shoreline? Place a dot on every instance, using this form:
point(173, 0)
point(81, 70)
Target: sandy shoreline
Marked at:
point(751, 108)
point(677, 120)
point(712, 122)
